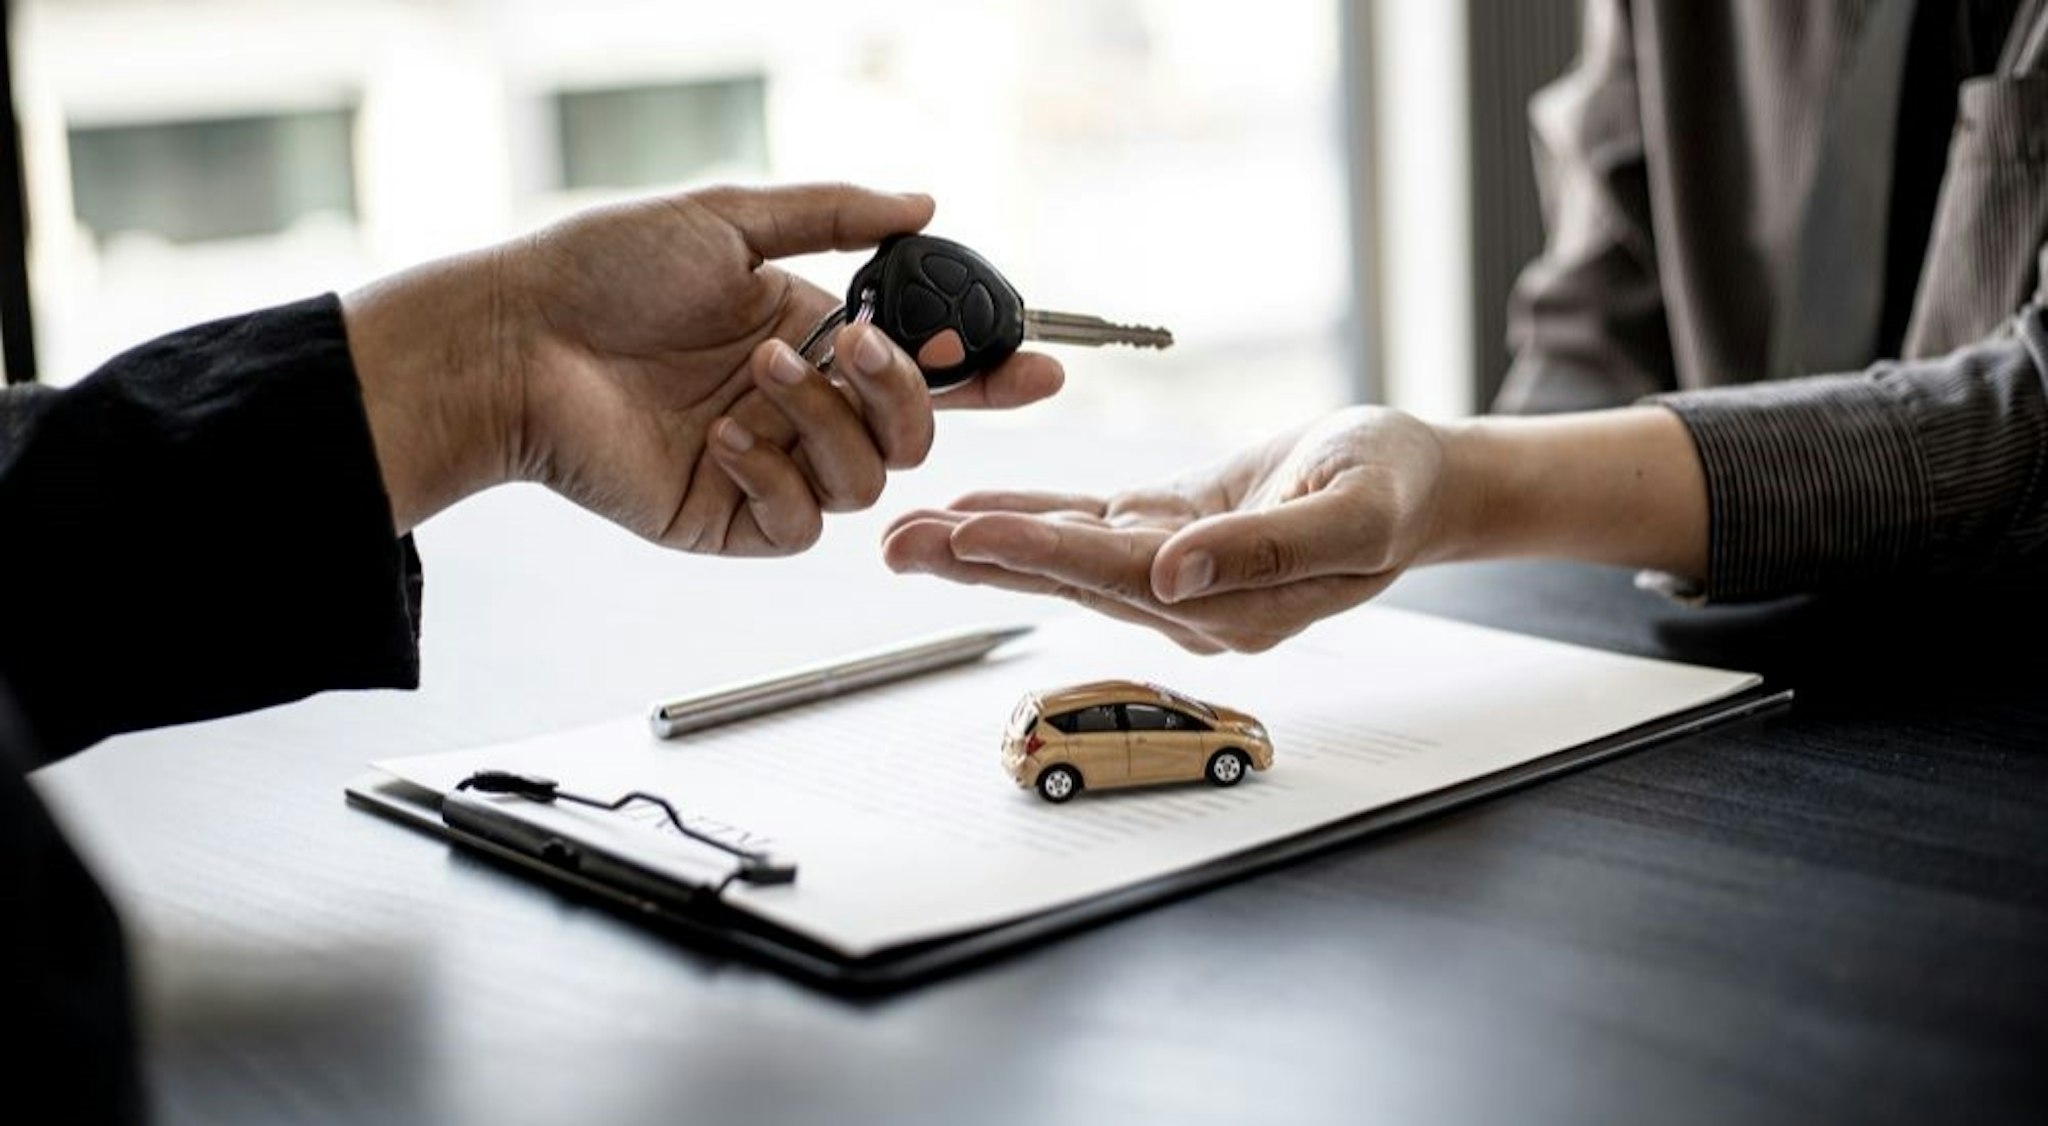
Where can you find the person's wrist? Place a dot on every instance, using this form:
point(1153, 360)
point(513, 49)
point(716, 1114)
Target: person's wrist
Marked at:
point(1621, 487)
point(1470, 493)
point(429, 346)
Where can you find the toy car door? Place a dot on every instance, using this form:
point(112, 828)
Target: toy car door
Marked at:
point(1162, 746)
point(1097, 747)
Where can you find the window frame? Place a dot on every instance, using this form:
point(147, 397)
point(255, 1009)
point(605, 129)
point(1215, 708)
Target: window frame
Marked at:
point(17, 315)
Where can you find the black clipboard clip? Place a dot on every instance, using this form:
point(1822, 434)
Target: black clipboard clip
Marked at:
point(482, 819)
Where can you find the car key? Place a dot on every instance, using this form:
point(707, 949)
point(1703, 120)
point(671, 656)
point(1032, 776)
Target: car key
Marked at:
point(956, 314)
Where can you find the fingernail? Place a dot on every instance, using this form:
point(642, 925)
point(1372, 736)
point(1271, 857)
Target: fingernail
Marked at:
point(1196, 571)
point(870, 353)
point(786, 367)
point(968, 553)
point(733, 436)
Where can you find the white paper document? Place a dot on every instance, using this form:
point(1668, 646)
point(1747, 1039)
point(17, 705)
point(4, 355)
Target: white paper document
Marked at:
point(893, 802)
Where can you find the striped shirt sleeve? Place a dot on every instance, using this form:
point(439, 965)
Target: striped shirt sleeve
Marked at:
point(1925, 468)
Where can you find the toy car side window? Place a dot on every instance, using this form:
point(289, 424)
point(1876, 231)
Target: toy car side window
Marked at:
point(1147, 717)
point(1064, 722)
point(1178, 721)
point(1095, 719)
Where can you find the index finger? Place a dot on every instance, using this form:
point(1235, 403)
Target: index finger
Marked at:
point(1114, 562)
point(807, 218)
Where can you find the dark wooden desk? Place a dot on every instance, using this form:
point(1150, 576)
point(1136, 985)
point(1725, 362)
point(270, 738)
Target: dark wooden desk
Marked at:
point(1836, 914)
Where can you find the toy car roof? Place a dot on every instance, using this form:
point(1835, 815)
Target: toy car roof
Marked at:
point(1094, 692)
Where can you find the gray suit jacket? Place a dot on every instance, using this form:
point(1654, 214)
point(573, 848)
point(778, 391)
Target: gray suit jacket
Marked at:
point(1678, 164)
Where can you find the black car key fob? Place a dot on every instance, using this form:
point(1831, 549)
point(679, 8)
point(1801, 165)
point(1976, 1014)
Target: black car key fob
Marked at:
point(942, 303)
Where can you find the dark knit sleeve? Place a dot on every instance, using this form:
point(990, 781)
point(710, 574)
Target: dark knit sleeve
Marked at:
point(199, 528)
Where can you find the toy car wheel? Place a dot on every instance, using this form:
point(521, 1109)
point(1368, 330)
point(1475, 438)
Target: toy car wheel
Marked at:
point(1226, 768)
point(1059, 784)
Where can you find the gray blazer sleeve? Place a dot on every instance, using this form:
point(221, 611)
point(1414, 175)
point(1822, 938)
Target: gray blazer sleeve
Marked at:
point(1922, 468)
point(1586, 319)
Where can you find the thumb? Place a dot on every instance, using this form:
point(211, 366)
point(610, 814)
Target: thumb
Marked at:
point(1321, 534)
point(808, 218)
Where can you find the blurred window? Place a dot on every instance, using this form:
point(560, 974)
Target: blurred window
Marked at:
point(653, 136)
point(191, 181)
point(1148, 161)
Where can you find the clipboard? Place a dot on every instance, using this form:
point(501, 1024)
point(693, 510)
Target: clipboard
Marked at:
point(692, 909)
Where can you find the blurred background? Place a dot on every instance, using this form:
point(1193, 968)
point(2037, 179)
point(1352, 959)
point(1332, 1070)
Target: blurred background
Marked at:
point(1326, 203)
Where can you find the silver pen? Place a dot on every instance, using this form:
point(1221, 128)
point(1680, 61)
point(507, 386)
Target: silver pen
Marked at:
point(827, 679)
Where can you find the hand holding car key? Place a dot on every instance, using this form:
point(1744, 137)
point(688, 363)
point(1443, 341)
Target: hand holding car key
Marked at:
point(956, 316)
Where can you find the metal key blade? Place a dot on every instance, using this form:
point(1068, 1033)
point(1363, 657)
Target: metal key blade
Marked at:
point(1079, 328)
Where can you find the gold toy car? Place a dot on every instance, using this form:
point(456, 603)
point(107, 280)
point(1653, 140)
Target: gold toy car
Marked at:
point(1112, 733)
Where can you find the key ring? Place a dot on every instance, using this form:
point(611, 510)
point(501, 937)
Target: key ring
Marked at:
point(835, 319)
point(831, 321)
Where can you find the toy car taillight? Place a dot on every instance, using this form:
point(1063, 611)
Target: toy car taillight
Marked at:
point(1032, 743)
